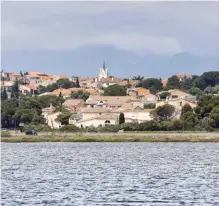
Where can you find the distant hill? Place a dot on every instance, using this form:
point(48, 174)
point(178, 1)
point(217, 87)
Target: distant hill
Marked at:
point(87, 60)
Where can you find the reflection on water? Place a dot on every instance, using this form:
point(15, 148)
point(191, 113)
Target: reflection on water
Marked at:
point(110, 174)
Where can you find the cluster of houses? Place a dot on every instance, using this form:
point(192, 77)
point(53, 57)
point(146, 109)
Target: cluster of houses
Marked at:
point(98, 109)
point(102, 110)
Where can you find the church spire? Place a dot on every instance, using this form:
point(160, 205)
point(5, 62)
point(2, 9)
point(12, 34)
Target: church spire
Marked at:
point(104, 65)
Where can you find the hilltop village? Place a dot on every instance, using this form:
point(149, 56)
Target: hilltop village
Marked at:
point(58, 102)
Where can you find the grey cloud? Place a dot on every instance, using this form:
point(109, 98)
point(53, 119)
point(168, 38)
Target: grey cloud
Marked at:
point(159, 27)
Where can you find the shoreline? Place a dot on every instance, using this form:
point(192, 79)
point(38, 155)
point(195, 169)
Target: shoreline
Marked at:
point(113, 137)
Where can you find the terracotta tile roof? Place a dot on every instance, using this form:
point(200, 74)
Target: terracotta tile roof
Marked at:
point(94, 91)
point(33, 86)
point(66, 91)
point(86, 79)
point(70, 90)
point(63, 77)
point(73, 102)
point(140, 91)
point(131, 82)
point(96, 110)
point(110, 100)
point(109, 116)
point(164, 82)
point(34, 73)
point(181, 76)
point(126, 106)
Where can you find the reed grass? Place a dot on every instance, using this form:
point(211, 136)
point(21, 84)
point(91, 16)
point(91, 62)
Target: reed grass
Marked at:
point(143, 138)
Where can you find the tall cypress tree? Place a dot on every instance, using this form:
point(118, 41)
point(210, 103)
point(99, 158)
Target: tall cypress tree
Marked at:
point(121, 118)
point(4, 95)
point(60, 94)
point(77, 85)
point(15, 89)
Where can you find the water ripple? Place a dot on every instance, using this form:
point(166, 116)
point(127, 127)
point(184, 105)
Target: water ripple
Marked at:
point(150, 174)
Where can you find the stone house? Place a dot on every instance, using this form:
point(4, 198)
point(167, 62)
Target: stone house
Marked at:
point(112, 102)
point(103, 120)
point(178, 104)
point(138, 92)
point(105, 82)
point(7, 86)
point(74, 104)
point(29, 89)
point(149, 99)
point(176, 94)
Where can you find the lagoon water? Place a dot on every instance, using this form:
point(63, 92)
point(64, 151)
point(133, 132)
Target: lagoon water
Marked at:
point(153, 174)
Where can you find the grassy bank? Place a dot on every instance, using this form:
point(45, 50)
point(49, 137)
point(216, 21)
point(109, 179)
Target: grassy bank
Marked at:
point(111, 138)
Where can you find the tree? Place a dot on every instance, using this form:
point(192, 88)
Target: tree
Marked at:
point(195, 91)
point(60, 94)
point(153, 84)
point(163, 113)
point(65, 83)
point(214, 117)
point(80, 95)
point(63, 118)
point(190, 120)
point(77, 85)
point(46, 100)
point(25, 115)
point(121, 118)
point(186, 108)
point(149, 106)
point(207, 79)
point(186, 83)
point(21, 74)
point(38, 119)
point(49, 88)
point(212, 90)
point(128, 84)
point(4, 95)
point(164, 95)
point(206, 104)
point(115, 90)
point(15, 89)
point(140, 78)
point(8, 108)
point(173, 82)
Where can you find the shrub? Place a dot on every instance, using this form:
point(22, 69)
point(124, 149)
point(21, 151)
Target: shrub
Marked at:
point(131, 126)
point(38, 128)
point(163, 113)
point(91, 129)
point(149, 106)
point(151, 125)
point(110, 128)
point(70, 128)
point(5, 134)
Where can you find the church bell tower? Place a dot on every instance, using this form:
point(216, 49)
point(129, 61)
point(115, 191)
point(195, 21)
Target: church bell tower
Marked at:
point(103, 72)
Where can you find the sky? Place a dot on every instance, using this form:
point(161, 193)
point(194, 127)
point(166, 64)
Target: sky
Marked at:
point(159, 28)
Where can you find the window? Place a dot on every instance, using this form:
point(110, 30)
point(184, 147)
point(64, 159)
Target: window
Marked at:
point(180, 104)
point(107, 122)
point(174, 96)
